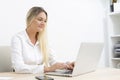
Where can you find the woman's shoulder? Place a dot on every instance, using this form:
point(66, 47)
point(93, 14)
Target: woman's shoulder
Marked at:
point(20, 34)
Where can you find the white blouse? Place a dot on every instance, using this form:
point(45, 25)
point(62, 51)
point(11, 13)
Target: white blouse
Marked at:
point(26, 57)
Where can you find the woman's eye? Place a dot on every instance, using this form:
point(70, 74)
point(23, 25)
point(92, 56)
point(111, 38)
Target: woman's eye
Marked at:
point(40, 19)
point(45, 21)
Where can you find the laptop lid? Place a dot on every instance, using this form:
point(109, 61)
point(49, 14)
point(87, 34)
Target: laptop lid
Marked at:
point(88, 58)
point(86, 61)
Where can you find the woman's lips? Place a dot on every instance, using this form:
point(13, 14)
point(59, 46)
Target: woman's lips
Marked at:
point(41, 28)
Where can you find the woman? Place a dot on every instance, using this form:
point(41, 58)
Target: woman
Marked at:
point(30, 52)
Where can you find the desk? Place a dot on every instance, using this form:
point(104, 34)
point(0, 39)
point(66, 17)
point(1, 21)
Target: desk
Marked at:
point(100, 74)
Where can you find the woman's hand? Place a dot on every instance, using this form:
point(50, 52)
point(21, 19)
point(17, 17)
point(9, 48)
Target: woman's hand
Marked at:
point(56, 66)
point(70, 65)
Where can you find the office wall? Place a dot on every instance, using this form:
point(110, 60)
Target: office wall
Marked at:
point(70, 22)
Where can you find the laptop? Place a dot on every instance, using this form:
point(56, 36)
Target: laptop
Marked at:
point(87, 60)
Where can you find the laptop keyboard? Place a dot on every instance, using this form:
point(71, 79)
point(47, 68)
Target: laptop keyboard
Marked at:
point(64, 71)
point(68, 72)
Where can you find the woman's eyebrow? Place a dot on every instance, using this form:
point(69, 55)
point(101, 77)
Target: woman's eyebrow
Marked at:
point(41, 18)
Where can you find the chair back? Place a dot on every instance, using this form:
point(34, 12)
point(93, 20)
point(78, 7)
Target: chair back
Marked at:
point(5, 59)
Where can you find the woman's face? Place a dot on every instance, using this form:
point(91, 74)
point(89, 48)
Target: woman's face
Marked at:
point(39, 23)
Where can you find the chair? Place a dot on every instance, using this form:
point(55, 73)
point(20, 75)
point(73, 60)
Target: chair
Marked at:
point(5, 59)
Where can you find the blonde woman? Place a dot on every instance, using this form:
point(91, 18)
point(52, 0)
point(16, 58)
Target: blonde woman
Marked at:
point(30, 52)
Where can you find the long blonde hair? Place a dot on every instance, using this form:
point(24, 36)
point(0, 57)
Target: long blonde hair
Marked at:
point(42, 36)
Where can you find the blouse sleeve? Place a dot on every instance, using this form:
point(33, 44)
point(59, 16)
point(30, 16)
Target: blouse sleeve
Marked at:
point(17, 59)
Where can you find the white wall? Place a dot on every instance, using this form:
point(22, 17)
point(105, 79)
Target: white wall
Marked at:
point(70, 22)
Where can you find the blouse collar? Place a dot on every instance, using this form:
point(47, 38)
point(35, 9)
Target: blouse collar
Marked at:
point(28, 39)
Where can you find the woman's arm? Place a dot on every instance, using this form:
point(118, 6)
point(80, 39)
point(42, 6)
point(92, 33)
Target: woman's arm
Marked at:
point(54, 64)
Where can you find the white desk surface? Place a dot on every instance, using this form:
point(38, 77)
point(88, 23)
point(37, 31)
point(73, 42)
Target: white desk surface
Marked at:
point(100, 74)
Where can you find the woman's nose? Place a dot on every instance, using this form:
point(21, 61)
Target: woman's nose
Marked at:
point(42, 22)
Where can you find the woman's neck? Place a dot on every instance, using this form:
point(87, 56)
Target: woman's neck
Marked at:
point(32, 35)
